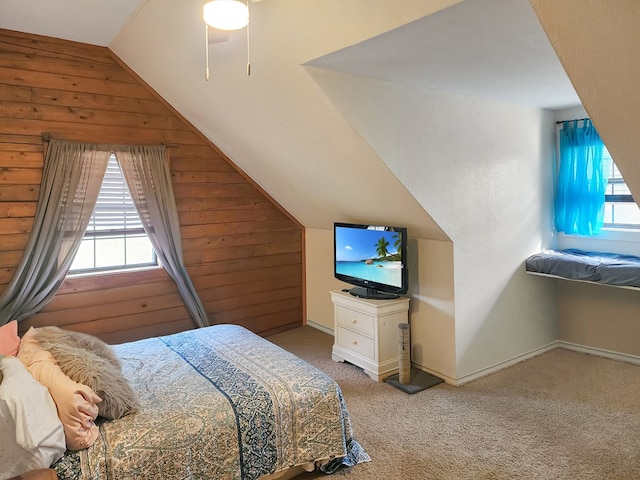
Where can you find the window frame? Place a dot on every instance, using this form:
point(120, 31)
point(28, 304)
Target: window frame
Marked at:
point(621, 227)
point(613, 199)
point(611, 238)
point(117, 233)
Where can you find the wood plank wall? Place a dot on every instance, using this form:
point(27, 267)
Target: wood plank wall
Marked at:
point(243, 251)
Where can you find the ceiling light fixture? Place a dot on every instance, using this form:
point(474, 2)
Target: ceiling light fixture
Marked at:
point(225, 15)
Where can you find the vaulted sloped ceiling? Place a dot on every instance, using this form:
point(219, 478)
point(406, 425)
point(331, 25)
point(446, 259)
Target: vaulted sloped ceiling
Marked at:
point(280, 127)
point(494, 49)
point(96, 22)
point(277, 124)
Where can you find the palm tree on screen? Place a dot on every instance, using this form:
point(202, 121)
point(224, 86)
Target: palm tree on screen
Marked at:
point(381, 247)
point(397, 241)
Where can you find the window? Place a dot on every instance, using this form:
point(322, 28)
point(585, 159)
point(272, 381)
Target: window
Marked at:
point(115, 238)
point(621, 211)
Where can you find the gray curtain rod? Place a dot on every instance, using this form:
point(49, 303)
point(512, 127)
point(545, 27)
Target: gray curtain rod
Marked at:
point(47, 137)
point(574, 120)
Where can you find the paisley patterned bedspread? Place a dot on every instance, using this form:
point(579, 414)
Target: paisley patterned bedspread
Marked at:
point(218, 403)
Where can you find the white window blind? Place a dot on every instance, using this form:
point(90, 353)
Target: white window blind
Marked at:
point(114, 211)
point(620, 208)
point(115, 238)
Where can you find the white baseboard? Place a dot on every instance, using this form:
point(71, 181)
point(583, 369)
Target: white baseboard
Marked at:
point(322, 328)
point(502, 365)
point(601, 352)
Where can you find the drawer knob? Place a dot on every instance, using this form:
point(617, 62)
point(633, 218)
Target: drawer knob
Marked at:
point(355, 342)
point(354, 321)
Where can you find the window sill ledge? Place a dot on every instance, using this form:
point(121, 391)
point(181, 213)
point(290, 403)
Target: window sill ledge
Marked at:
point(613, 240)
point(86, 282)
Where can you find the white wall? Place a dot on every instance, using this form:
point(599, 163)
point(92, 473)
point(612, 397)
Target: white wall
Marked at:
point(319, 276)
point(481, 169)
point(432, 307)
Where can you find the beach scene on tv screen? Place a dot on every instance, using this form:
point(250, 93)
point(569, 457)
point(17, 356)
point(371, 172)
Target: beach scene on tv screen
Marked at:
point(373, 255)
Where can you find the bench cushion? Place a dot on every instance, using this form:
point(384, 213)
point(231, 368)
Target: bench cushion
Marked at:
point(599, 267)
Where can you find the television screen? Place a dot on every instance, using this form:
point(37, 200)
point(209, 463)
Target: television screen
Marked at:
point(371, 257)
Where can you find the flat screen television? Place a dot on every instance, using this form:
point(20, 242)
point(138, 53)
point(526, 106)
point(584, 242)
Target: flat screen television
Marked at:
point(371, 257)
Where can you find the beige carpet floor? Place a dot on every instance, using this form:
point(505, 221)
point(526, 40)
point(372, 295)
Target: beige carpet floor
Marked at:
point(560, 415)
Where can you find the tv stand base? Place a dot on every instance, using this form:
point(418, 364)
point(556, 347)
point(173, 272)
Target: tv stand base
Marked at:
point(371, 294)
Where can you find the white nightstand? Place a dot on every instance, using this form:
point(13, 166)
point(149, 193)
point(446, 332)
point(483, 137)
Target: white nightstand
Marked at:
point(366, 332)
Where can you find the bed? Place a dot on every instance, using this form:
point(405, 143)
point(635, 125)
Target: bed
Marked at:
point(218, 403)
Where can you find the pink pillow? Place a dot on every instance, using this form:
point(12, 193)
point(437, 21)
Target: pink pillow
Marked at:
point(76, 403)
point(9, 339)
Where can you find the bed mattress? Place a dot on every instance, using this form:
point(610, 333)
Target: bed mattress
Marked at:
point(219, 403)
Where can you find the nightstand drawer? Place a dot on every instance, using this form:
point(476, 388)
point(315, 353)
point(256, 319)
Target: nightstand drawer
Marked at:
point(357, 321)
point(357, 343)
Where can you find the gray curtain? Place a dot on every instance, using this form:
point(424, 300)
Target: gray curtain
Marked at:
point(71, 181)
point(146, 171)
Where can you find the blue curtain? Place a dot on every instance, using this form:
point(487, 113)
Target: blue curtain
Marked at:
point(582, 179)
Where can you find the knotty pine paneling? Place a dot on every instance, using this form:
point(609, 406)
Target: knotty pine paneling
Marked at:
point(243, 251)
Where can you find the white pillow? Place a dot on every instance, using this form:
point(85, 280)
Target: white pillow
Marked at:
point(31, 433)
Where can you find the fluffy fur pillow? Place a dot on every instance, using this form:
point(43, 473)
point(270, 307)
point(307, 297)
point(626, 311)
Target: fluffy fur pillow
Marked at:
point(90, 361)
point(57, 336)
